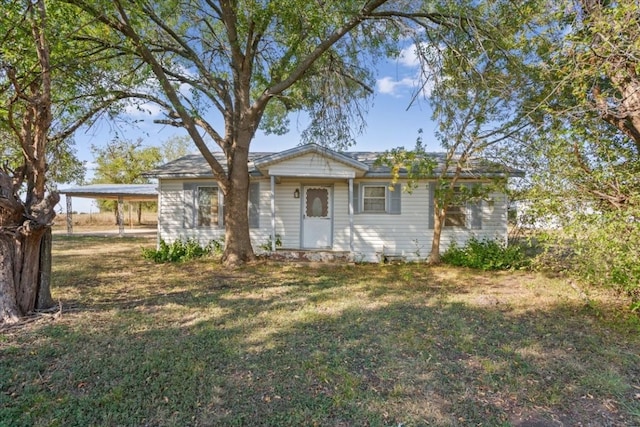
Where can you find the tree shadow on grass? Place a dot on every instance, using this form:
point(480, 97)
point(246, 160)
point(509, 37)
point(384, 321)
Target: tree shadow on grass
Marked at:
point(409, 362)
point(193, 344)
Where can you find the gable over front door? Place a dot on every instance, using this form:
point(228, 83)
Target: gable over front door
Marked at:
point(317, 217)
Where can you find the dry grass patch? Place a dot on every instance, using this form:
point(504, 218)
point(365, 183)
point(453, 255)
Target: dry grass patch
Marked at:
point(330, 345)
point(105, 219)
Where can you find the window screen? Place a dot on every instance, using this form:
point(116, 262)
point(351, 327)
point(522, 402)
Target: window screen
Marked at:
point(207, 206)
point(374, 199)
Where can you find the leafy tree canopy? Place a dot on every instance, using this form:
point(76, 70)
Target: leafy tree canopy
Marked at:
point(175, 147)
point(84, 83)
point(124, 162)
point(584, 162)
point(251, 63)
point(49, 86)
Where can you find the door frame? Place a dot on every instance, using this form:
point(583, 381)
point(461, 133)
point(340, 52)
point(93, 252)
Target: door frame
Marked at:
point(330, 212)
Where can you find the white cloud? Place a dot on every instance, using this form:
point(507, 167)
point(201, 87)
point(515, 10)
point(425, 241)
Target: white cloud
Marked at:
point(408, 57)
point(140, 110)
point(408, 63)
point(390, 86)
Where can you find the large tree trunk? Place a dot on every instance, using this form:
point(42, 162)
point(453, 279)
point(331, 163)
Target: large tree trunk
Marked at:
point(27, 265)
point(25, 256)
point(9, 312)
point(237, 249)
point(23, 286)
point(26, 211)
point(45, 300)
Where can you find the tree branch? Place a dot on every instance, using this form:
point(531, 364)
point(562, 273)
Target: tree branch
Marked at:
point(324, 46)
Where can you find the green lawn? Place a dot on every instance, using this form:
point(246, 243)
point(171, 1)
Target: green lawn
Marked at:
point(195, 344)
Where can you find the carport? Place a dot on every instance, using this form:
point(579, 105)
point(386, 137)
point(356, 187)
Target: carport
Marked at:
point(119, 192)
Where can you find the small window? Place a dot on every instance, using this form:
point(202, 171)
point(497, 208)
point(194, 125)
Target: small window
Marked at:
point(374, 199)
point(207, 206)
point(317, 203)
point(456, 214)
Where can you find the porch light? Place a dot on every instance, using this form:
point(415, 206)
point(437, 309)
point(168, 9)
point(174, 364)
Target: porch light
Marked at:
point(296, 193)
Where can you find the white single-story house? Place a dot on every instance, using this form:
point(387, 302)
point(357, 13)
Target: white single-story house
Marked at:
point(311, 198)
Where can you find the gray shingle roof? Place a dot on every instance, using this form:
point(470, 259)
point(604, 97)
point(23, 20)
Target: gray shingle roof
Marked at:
point(195, 166)
point(306, 149)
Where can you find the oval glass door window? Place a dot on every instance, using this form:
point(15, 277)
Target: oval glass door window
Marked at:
point(317, 202)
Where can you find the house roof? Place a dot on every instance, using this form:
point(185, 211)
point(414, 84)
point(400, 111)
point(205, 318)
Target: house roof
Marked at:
point(131, 192)
point(195, 166)
point(301, 150)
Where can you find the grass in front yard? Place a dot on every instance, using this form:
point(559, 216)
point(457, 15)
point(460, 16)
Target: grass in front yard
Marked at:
point(304, 344)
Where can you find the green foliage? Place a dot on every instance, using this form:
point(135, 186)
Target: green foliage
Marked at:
point(415, 164)
point(585, 161)
point(175, 147)
point(485, 255)
point(604, 250)
point(84, 83)
point(63, 165)
point(481, 81)
point(601, 61)
point(320, 65)
point(124, 162)
point(266, 246)
point(181, 250)
point(254, 63)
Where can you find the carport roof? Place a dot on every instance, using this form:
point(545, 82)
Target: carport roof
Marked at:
point(130, 192)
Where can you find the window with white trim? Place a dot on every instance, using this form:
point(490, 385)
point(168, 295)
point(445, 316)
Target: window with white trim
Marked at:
point(207, 207)
point(374, 199)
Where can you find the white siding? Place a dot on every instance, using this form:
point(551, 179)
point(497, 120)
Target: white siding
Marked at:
point(172, 211)
point(172, 214)
point(262, 235)
point(407, 235)
point(287, 215)
point(341, 217)
point(312, 165)
point(494, 224)
point(401, 235)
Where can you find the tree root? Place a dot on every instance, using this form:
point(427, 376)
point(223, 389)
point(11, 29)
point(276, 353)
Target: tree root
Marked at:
point(53, 313)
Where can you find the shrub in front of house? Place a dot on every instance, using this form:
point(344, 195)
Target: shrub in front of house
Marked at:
point(181, 250)
point(485, 255)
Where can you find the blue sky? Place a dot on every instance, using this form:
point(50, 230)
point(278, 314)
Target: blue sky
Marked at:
point(391, 122)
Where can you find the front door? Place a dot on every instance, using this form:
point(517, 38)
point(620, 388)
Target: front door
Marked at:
point(317, 224)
